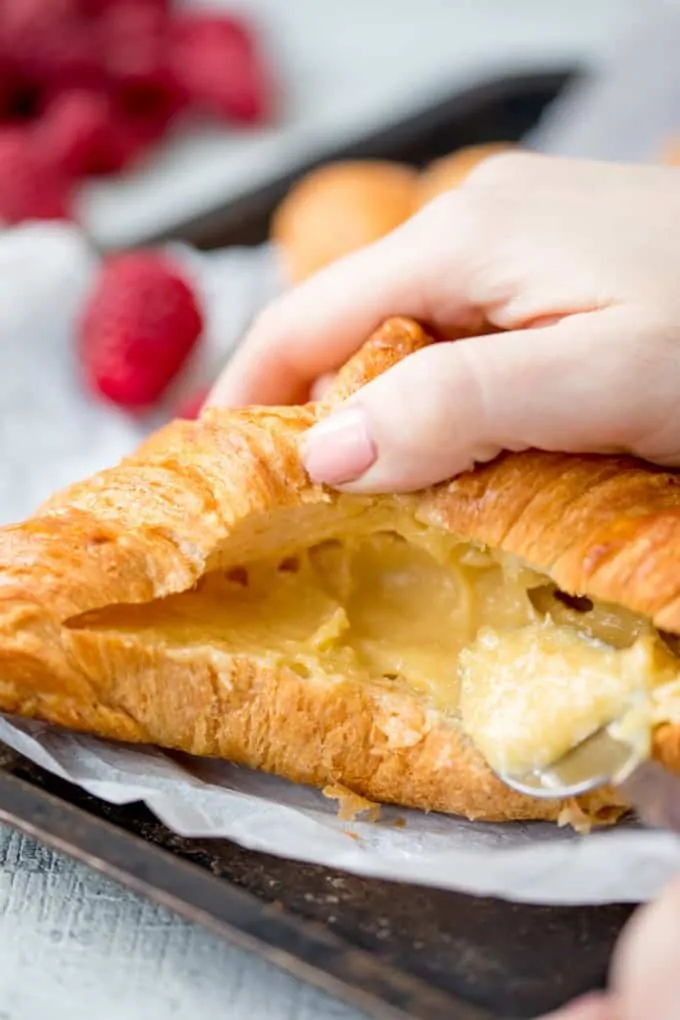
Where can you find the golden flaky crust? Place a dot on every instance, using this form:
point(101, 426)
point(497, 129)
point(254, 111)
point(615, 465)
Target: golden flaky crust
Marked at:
point(207, 493)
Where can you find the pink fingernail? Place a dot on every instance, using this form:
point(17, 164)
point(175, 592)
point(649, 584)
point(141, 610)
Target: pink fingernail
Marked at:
point(340, 448)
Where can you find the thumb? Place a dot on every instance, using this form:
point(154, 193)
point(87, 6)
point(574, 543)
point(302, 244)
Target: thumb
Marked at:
point(567, 386)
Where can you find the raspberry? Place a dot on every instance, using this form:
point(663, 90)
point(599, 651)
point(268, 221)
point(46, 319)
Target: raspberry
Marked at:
point(12, 90)
point(137, 62)
point(98, 7)
point(218, 65)
point(29, 190)
point(135, 42)
point(84, 132)
point(74, 133)
point(49, 43)
point(137, 46)
point(125, 143)
point(140, 325)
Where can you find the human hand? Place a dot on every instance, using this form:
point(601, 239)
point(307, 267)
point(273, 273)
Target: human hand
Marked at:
point(645, 974)
point(577, 262)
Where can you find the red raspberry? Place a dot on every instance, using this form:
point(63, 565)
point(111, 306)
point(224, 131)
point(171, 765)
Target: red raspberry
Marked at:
point(74, 132)
point(49, 43)
point(218, 64)
point(129, 139)
point(135, 37)
point(141, 77)
point(136, 40)
point(83, 132)
point(14, 92)
point(140, 325)
point(125, 143)
point(97, 7)
point(29, 190)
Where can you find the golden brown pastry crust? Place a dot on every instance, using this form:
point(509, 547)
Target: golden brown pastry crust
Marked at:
point(201, 494)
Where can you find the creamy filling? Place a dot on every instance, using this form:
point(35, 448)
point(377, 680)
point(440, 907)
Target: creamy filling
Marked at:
point(526, 671)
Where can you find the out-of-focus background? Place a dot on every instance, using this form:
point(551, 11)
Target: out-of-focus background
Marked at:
point(198, 112)
point(136, 134)
point(159, 177)
point(340, 71)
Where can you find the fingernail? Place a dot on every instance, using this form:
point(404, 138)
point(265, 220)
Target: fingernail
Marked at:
point(340, 448)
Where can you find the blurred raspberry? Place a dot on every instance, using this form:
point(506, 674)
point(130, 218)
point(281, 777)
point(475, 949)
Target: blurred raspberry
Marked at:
point(126, 142)
point(137, 58)
point(82, 132)
point(21, 102)
point(140, 325)
point(192, 406)
point(74, 132)
point(29, 189)
point(97, 7)
point(135, 38)
point(13, 91)
point(50, 43)
point(218, 64)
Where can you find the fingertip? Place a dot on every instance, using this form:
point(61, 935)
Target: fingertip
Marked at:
point(595, 1006)
point(340, 448)
point(392, 436)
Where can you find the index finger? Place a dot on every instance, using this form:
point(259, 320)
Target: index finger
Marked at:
point(314, 328)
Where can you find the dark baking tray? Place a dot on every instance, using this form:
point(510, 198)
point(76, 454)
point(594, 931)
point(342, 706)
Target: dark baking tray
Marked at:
point(502, 109)
point(396, 951)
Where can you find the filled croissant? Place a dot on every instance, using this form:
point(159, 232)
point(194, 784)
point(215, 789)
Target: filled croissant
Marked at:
point(205, 596)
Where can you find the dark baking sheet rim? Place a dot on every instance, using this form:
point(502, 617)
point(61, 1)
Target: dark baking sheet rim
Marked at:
point(306, 948)
point(303, 948)
point(244, 218)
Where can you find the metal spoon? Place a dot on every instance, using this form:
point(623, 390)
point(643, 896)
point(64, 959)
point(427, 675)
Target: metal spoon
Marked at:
point(604, 760)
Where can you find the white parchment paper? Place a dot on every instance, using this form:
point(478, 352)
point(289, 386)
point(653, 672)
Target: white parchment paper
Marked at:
point(51, 433)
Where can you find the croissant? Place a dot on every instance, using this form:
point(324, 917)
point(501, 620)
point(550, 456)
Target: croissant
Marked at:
point(205, 596)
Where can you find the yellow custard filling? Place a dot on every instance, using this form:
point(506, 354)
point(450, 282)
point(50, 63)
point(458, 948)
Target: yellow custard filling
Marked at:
point(524, 670)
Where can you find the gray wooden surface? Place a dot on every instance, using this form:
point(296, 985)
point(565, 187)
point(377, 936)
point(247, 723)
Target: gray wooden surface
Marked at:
point(73, 944)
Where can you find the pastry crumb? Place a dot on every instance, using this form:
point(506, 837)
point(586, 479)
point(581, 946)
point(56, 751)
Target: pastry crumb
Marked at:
point(583, 822)
point(351, 805)
point(572, 814)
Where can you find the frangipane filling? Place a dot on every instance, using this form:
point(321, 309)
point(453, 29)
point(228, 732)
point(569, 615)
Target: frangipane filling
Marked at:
point(525, 670)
